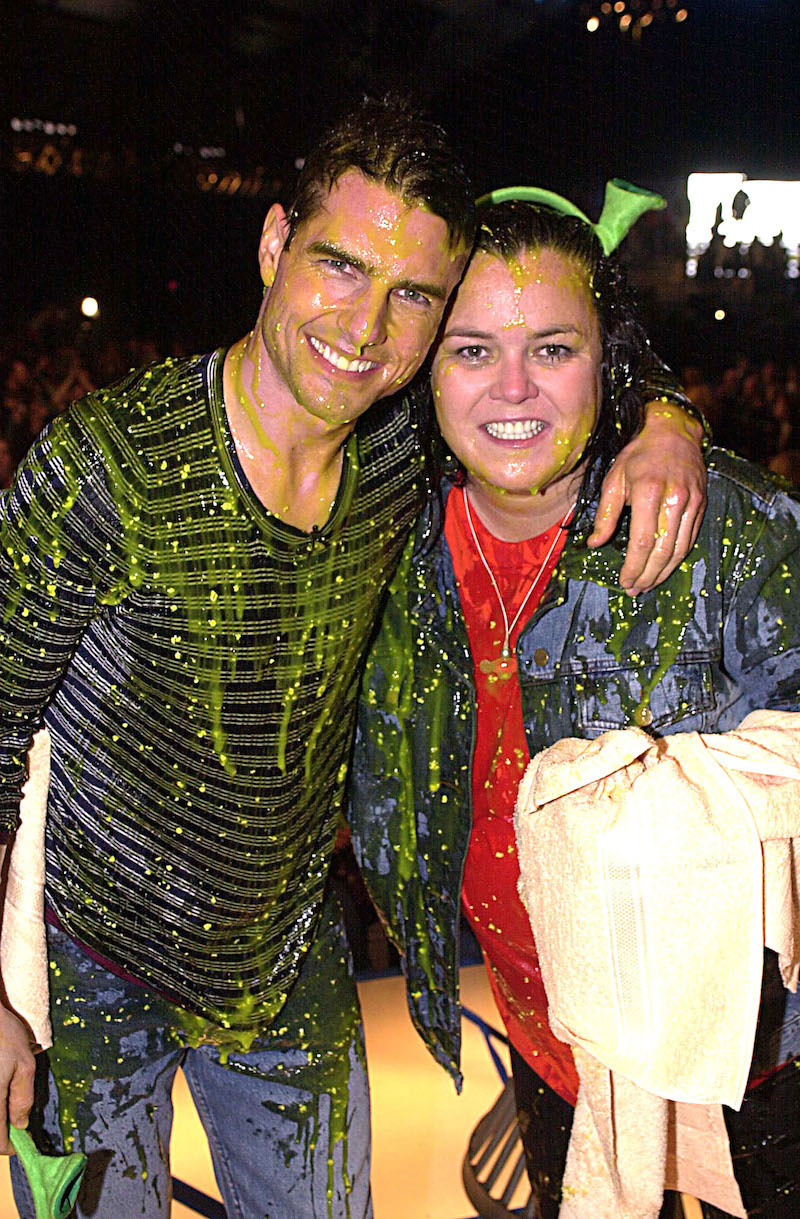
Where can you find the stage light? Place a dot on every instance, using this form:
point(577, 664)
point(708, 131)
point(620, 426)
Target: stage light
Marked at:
point(46, 126)
point(89, 307)
point(719, 315)
point(632, 17)
point(772, 210)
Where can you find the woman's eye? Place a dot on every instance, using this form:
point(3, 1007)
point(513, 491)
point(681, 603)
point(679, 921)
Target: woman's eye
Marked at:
point(554, 353)
point(471, 353)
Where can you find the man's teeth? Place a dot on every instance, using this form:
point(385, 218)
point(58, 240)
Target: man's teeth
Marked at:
point(516, 429)
point(340, 361)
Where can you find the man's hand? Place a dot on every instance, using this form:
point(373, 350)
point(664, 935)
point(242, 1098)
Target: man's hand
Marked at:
point(662, 476)
point(17, 1065)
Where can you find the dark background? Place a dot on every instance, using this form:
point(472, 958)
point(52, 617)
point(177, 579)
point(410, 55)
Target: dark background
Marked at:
point(114, 208)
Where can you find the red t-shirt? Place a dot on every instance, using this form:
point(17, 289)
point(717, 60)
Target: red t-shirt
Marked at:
point(491, 871)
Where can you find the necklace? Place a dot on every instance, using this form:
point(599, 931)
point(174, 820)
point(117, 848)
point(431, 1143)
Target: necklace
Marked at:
point(503, 665)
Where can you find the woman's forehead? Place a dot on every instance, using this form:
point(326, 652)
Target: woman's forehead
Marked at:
point(532, 265)
point(538, 277)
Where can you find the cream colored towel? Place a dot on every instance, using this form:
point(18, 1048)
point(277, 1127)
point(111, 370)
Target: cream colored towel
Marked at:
point(23, 948)
point(643, 874)
point(628, 1145)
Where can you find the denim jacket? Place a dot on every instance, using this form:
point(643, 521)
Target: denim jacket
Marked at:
point(720, 638)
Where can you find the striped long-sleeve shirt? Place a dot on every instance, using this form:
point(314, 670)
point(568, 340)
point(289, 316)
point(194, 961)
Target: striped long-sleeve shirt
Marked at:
point(197, 662)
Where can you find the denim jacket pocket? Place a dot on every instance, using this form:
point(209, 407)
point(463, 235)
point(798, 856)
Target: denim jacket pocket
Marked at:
point(623, 696)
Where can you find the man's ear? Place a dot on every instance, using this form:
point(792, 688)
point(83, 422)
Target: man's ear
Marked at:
point(273, 238)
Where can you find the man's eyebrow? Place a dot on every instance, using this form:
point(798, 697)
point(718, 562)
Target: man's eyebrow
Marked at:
point(328, 249)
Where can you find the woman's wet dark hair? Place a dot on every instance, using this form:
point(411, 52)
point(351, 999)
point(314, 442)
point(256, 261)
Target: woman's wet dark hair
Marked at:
point(507, 230)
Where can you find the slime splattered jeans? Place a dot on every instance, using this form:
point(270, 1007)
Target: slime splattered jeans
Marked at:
point(288, 1127)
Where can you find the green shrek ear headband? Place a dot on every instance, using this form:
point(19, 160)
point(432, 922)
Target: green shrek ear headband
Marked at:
point(54, 1180)
point(623, 206)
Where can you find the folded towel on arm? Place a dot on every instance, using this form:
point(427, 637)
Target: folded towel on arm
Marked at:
point(654, 872)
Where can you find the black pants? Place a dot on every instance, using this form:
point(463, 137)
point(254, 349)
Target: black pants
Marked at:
point(545, 1122)
point(764, 1137)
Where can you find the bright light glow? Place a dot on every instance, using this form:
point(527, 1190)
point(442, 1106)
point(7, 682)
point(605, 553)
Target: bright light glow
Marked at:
point(625, 21)
point(593, 24)
point(772, 210)
point(719, 315)
point(45, 125)
point(645, 19)
point(89, 307)
point(619, 7)
point(681, 14)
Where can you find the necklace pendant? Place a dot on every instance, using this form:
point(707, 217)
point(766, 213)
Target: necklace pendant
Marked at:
point(498, 670)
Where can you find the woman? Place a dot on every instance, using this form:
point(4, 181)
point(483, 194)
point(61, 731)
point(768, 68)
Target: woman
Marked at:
point(504, 633)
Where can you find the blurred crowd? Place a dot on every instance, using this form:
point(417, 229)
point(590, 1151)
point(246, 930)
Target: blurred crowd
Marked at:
point(49, 363)
point(753, 408)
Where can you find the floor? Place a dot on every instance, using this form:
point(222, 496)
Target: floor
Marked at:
point(420, 1126)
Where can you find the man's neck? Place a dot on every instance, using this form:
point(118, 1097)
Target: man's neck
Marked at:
point(292, 462)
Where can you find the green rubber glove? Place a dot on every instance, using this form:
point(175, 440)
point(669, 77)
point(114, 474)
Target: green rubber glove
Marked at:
point(54, 1180)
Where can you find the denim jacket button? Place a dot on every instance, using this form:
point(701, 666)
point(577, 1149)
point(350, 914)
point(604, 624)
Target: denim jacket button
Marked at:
point(541, 656)
point(643, 716)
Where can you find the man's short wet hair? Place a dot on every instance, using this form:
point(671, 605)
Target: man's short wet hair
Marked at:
point(390, 140)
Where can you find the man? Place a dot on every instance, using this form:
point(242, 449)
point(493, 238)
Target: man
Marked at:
point(193, 562)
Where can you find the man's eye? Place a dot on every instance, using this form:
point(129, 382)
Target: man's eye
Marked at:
point(413, 296)
point(336, 264)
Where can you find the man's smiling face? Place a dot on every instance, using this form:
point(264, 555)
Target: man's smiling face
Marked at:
point(356, 298)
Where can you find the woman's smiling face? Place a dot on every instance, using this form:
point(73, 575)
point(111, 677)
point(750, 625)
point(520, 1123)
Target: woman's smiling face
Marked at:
point(517, 378)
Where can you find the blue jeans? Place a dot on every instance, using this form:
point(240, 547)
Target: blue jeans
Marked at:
point(287, 1122)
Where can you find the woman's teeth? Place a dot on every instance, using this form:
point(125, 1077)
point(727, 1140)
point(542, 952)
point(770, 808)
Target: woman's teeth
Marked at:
point(517, 429)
